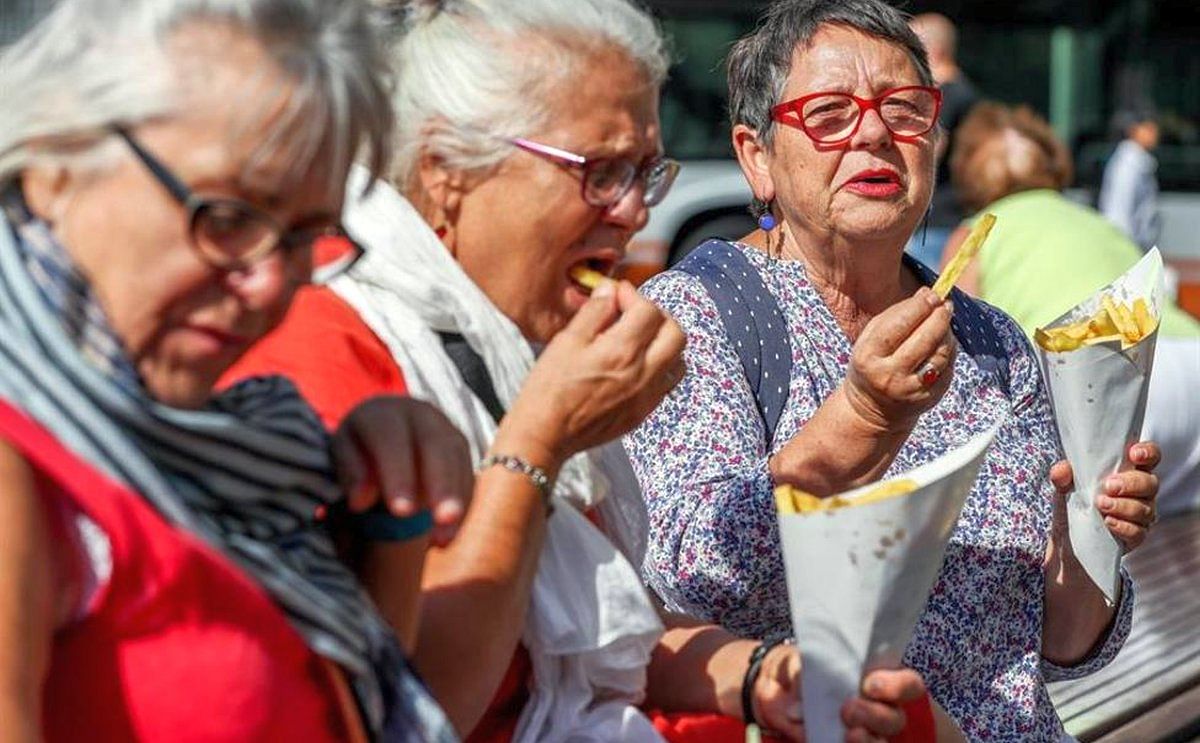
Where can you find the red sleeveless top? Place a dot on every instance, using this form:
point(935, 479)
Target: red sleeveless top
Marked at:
point(179, 644)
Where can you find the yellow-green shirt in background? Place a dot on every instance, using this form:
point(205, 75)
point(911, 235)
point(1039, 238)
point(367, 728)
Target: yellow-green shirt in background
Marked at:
point(1046, 254)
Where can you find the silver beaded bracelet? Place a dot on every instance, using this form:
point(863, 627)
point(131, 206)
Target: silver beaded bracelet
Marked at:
point(537, 475)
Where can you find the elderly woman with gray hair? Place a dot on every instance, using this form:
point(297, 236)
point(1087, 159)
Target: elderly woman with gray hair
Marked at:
point(529, 150)
point(859, 372)
point(166, 169)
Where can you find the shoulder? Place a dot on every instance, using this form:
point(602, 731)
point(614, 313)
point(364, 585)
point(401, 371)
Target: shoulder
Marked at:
point(330, 353)
point(683, 296)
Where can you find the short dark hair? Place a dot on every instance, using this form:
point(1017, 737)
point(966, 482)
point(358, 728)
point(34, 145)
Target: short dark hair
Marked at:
point(759, 63)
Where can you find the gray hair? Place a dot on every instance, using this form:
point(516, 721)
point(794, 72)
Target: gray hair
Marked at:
point(760, 62)
point(91, 65)
point(472, 72)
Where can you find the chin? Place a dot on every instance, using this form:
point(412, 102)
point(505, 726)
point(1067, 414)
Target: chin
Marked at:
point(183, 390)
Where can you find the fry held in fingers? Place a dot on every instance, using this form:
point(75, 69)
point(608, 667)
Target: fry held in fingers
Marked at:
point(959, 262)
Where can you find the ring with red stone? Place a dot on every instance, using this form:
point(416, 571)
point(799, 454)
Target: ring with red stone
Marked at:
point(928, 374)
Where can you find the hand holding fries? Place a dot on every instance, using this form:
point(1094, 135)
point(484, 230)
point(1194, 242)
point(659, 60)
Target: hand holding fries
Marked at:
point(600, 376)
point(883, 383)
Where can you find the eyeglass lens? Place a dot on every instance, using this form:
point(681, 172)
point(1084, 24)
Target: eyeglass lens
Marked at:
point(835, 116)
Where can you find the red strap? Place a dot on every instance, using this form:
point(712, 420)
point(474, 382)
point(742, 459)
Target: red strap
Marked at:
point(920, 726)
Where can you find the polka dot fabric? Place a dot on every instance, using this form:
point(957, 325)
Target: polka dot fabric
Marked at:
point(701, 459)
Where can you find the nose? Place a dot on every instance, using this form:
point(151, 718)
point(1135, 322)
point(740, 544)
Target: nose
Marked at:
point(872, 133)
point(265, 283)
point(630, 211)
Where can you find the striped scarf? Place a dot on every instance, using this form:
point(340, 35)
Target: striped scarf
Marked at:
point(246, 474)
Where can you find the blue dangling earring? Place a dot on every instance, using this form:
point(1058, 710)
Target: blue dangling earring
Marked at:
point(766, 222)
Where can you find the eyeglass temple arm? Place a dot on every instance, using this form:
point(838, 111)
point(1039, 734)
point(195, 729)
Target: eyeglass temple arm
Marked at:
point(545, 149)
point(178, 190)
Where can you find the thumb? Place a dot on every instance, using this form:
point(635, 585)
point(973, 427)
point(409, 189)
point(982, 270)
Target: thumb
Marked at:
point(598, 313)
point(1062, 477)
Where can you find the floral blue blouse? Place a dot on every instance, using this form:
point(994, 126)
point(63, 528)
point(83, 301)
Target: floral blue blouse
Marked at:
point(714, 550)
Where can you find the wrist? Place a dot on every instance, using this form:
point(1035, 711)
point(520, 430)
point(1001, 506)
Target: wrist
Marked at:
point(759, 660)
point(512, 440)
point(865, 417)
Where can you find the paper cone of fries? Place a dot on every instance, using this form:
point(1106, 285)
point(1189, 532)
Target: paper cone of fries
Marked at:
point(1097, 360)
point(859, 572)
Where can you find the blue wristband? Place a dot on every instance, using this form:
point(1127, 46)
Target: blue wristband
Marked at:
point(379, 525)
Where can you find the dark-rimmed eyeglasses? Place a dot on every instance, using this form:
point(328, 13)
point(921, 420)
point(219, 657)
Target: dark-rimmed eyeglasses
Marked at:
point(232, 235)
point(606, 180)
point(833, 118)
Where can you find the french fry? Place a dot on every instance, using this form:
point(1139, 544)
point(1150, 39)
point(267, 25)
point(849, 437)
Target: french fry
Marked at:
point(587, 277)
point(1114, 321)
point(969, 248)
point(1143, 318)
point(790, 500)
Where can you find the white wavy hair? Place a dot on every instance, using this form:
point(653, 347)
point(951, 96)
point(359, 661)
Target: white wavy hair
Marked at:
point(90, 65)
point(470, 71)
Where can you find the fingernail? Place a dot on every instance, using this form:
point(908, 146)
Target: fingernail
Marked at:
point(1112, 486)
point(607, 288)
point(1103, 502)
point(872, 686)
point(402, 505)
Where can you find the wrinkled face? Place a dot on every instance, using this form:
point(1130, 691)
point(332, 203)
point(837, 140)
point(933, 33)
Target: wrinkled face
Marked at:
point(182, 322)
point(523, 228)
point(872, 187)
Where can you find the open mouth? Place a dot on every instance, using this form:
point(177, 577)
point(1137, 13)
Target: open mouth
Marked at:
point(587, 274)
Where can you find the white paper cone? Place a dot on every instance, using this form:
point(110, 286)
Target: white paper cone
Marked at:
point(858, 578)
point(1099, 398)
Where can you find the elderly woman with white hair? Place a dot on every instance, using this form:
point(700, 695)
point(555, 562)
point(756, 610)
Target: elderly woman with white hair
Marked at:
point(529, 151)
point(165, 570)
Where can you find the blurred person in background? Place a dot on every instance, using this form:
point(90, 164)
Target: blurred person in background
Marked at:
point(1129, 189)
point(940, 37)
point(529, 148)
point(1047, 253)
point(834, 121)
point(166, 567)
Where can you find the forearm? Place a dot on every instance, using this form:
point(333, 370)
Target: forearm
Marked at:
point(1076, 616)
point(712, 661)
point(484, 577)
point(837, 450)
point(34, 596)
point(391, 572)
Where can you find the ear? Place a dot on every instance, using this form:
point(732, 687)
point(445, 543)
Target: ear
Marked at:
point(441, 190)
point(47, 190)
point(752, 155)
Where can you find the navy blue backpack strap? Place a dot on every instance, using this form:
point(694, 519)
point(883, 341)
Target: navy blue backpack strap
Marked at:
point(972, 328)
point(753, 322)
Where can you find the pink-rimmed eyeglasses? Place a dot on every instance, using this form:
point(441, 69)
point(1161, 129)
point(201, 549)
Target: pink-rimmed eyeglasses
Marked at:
point(832, 118)
point(607, 179)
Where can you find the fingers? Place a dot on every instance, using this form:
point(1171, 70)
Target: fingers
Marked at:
point(1062, 477)
point(1145, 455)
point(1137, 512)
point(353, 472)
point(872, 718)
point(898, 686)
point(640, 320)
point(893, 326)
point(931, 338)
point(445, 469)
point(597, 314)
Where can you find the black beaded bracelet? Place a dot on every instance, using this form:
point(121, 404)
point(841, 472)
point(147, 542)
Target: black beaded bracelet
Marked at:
point(751, 677)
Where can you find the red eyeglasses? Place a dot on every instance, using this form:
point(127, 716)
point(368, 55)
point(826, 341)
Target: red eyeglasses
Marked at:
point(831, 118)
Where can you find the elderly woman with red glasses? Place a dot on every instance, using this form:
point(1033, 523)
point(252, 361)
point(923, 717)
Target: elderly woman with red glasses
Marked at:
point(846, 368)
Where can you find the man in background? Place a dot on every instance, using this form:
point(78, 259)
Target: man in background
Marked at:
point(940, 38)
point(1129, 191)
